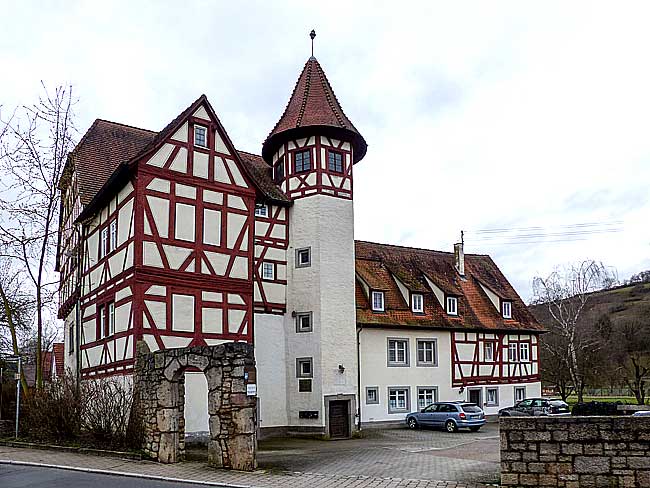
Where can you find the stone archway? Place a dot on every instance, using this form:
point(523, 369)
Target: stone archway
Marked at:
point(159, 383)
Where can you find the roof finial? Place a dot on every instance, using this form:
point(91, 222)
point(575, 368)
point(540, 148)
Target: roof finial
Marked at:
point(312, 34)
point(462, 237)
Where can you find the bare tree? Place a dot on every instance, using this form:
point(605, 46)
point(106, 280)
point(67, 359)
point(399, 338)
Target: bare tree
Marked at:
point(630, 341)
point(16, 313)
point(35, 144)
point(564, 296)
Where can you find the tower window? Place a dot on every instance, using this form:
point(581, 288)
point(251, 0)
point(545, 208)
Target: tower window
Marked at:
point(200, 136)
point(304, 368)
point(304, 322)
point(302, 161)
point(303, 257)
point(278, 171)
point(335, 161)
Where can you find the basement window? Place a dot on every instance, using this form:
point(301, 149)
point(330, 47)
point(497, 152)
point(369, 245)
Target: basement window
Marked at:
point(200, 136)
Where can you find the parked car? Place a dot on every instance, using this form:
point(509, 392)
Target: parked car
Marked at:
point(537, 407)
point(641, 413)
point(449, 415)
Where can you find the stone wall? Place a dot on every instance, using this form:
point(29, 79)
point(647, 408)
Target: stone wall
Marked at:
point(159, 383)
point(575, 452)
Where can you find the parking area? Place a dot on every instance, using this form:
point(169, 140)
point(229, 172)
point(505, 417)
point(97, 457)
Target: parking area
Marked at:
point(392, 452)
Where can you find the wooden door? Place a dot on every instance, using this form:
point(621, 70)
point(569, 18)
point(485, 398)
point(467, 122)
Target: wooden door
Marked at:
point(339, 419)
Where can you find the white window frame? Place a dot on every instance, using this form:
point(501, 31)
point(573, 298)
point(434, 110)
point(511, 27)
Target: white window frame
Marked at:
point(101, 311)
point(300, 252)
point(112, 239)
point(423, 389)
point(400, 394)
point(266, 267)
point(262, 211)
point(520, 388)
point(393, 345)
point(300, 316)
point(524, 358)
point(488, 346)
point(103, 242)
point(452, 305)
point(378, 302)
point(111, 319)
point(506, 309)
point(417, 303)
point(299, 367)
point(198, 127)
point(434, 352)
point(495, 401)
point(513, 352)
point(375, 390)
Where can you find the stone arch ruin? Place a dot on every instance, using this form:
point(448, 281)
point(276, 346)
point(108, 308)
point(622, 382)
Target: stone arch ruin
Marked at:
point(159, 383)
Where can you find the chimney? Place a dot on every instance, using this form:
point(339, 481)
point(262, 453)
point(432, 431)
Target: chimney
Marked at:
point(459, 258)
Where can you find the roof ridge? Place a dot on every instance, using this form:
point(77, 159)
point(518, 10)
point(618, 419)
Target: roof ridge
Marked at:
point(305, 94)
point(126, 125)
point(416, 248)
point(328, 89)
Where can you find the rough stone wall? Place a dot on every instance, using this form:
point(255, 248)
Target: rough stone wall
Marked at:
point(575, 452)
point(159, 384)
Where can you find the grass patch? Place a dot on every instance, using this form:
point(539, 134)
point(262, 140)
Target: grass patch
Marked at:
point(572, 400)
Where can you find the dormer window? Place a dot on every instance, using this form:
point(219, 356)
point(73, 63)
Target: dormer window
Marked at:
point(417, 303)
point(335, 161)
point(200, 136)
point(302, 161)
point(452, 306)
point(506, 309)
point(378, 301)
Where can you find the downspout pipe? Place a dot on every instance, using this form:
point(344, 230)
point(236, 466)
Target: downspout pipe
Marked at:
point(359, 329)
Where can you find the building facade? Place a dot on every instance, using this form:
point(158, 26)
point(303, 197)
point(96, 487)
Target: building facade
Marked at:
point(178, 239)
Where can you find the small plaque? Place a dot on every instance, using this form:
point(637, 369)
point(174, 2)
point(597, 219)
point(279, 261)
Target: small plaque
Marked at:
point(251, 389)
point(308, 414)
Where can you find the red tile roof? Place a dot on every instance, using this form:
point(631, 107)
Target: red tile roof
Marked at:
point(109, 146)
point(379, 264)
point(313, 104)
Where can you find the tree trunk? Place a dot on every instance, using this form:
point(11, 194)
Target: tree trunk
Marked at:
point(14, 338)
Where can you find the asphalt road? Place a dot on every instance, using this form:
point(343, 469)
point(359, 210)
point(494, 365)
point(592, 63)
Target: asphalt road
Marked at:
point(15, 476)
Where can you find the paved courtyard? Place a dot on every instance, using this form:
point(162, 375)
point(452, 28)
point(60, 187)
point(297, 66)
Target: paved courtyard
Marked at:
point(387, 458)
point(419, 454)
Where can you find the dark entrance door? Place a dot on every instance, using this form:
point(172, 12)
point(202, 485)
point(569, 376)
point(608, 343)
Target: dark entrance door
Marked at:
point(475, 396)
point(339, 419)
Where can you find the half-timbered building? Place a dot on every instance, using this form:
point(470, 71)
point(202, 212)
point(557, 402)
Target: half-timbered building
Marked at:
point(176, 238)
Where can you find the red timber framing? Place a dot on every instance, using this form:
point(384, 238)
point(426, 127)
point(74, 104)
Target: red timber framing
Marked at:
point(470, 366)
point(189, 278)
point(271, 244)
point(319, 179)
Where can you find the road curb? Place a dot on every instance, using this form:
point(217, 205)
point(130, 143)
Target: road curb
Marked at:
point(125, 474)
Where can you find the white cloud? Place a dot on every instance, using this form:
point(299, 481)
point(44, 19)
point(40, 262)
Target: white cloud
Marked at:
point(477, 115)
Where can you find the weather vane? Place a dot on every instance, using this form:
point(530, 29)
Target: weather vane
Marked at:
point(312, 34)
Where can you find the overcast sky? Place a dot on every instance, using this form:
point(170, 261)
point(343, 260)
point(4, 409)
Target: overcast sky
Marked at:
point(478, 115)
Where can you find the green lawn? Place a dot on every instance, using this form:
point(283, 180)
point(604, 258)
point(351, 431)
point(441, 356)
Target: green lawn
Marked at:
point(572, 400)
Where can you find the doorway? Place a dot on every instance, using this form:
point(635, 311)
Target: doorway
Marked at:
point(475, 395)
point(339, 419)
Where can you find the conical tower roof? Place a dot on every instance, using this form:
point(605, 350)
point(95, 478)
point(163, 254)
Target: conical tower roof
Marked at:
point(313, 105)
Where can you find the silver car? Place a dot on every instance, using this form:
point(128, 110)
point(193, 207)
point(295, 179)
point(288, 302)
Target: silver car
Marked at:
point(449, 415)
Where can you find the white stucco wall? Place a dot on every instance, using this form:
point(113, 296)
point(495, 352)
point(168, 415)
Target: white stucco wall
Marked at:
point(271, 369)
point(375, 372)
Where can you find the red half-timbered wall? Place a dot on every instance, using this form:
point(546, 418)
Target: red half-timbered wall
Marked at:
point(187, 278)
point(271, 244)
point(320, 179)
point(471, 367)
